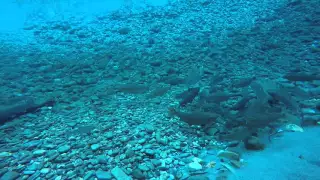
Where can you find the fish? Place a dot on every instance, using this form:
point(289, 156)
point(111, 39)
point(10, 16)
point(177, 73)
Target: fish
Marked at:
point(195, 117)
point(301, 77)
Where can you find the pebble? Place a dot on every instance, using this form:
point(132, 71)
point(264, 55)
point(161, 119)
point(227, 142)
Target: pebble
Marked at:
point(45, 171)
point(77, 162)
point(10, 175)
point(150, 152)
point(5, 154)
point(39, 152)
point(52, 155)
point(28, 172)
point(163, 154)
point(141, 141)
point(58, 178)
point(34, 176)
point(194, 166)
point(119, 174)
point(109, 135)
point(137, 173)
point(163, 166)
point(102, 159)
point(88, 175)
point(143, 167)
point(95, 147)
point(35, 166)
point(103, 175)
point(308, 111)
point(64, 149)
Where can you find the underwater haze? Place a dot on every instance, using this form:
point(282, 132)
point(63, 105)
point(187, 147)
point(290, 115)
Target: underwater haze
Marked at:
point(160, 89)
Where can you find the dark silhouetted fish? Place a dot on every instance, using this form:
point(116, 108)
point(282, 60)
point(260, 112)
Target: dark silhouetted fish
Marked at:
point(194, 118)
point(301, 77)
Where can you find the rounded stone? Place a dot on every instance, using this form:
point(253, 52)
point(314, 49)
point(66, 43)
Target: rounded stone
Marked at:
point(39, 152)
point(95, 147)
point(45, 171)
point(64, 148)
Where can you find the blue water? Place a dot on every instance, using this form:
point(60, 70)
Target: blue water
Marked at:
point(159, 89)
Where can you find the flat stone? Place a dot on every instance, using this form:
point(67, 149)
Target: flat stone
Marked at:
point(28, 172)
point(119, 174)
point(150, 152)
point(45, 171)
point(39, 152)
point(35, 166)
point(58, 178)
point(10, 175)
point(88, 175)
point(194, 166)
point(141, 141)
point(103, 175)
point(137, 173)
point(34, 176)
point(5, 154)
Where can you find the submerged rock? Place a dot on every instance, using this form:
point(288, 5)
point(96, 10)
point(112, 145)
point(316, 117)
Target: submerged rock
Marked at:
point(194, 166)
